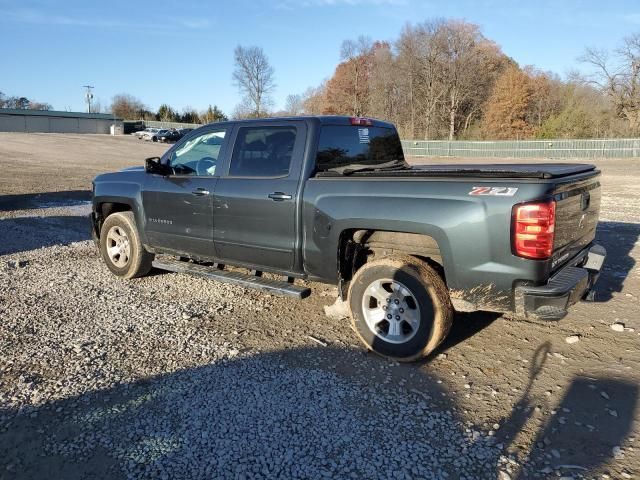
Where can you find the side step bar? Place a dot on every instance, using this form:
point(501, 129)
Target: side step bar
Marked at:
point(275, 287)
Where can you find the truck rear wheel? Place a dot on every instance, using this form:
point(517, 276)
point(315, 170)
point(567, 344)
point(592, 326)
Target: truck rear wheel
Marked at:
point(400, 307)
point(121, 248)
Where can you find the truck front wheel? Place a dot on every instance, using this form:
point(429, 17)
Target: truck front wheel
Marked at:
point(400, 307)
point(121, 248)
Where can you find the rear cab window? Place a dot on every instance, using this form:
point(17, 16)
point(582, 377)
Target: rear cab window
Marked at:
point(352, 147)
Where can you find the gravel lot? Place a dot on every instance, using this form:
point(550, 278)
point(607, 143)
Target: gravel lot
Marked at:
point(170, 376)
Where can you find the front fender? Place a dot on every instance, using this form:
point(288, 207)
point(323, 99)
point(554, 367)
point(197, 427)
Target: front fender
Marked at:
point(112, 194)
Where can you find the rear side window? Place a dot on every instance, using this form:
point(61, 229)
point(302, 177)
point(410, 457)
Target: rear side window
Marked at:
point(352, 145)
point(263, 152)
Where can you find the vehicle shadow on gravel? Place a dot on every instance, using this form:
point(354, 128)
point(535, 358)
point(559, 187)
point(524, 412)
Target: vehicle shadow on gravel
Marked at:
point(619, 238)
point(30, 201)
point(22, 234)
point(465, 326)
point(294, 413)
point(594, 416)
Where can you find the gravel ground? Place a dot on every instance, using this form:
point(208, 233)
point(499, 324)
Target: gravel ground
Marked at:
point(177, 377)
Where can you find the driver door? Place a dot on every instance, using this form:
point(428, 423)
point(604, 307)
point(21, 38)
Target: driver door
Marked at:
point(178, 208)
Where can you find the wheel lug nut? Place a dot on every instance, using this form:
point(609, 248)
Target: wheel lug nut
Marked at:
point(397, 317)
point(402, 310)
point(384, 307)
point(396, 301)
point(389, 316)
point(388, 300)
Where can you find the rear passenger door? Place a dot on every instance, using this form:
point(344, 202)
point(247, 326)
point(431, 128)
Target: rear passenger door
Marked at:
point(255, 213)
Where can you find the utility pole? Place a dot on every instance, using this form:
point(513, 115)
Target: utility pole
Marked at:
point(88, 96)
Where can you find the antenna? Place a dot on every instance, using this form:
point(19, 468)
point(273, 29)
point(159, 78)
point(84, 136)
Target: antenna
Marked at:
point(88, 96)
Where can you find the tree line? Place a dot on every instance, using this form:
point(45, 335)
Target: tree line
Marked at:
point(22, 103)
point(443, 79)
point(128, 107)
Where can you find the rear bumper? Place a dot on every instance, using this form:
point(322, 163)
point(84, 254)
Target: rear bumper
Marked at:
point(572, 283)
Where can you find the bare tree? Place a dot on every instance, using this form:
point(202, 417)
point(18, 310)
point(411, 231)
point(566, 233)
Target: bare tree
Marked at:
point(618, 78)
point(460, 43)
point(294, 105)
point(429, 64)
point(253, 75)
point(448, 69)
point(40, 106)
point(314, 99)
point(128, 107)
point(384, 98)
point(356, 53)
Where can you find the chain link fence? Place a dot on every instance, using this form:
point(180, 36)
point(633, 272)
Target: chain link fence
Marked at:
point(592, 148)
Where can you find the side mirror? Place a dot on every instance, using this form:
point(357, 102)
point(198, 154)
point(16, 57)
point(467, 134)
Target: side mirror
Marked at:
point(153, 165)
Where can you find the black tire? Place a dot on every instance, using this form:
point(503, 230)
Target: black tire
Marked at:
point(137, 262)
point(429, 302)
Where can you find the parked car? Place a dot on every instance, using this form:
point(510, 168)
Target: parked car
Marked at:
point(331, 199)
point(171, 136)
point(155, 136)
point(147, 131)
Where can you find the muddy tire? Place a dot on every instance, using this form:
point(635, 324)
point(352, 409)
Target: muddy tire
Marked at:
point(400, 307)
point(121, 248)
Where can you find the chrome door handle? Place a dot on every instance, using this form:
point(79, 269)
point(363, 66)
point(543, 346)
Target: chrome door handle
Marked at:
point(200, 192)
point(279, 196)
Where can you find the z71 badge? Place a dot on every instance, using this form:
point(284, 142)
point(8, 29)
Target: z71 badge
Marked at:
point(495, 191)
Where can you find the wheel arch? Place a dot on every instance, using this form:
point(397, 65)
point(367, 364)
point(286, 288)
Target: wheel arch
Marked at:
point(358, 246)
point(106, 207)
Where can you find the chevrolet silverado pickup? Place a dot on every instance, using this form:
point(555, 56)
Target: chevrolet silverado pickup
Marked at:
point(263, 203)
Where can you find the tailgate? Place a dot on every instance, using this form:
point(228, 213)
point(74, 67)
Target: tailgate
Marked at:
point(577, 211)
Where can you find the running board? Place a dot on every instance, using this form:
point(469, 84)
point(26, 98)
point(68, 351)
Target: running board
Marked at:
point(275, 287)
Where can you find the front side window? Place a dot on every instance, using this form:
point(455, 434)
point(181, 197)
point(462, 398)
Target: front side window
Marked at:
point(198, 155)
point(263, 152)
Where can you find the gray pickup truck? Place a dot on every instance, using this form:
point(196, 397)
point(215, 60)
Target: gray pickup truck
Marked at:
point(331, 199)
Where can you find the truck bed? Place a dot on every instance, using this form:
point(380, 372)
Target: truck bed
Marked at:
point(511, 170)
point(496, 170)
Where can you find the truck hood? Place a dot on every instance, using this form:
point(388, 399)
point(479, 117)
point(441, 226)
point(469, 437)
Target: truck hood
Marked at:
point(137, 168)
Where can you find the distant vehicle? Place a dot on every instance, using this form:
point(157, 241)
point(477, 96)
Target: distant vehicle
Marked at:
point(331, 199)
point(184, 131)
point(147, 131)
point(154, 136)
point(171, 136)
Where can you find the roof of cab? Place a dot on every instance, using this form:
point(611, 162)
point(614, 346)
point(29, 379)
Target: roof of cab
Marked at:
point(322, 119)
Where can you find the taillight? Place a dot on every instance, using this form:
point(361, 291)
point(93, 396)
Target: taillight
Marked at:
point(533, 229)
point(366, 122)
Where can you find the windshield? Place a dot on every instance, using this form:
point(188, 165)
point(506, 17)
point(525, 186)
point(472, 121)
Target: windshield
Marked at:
point(353, 147)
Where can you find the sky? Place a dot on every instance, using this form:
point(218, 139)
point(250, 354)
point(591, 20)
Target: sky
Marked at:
point(181, 52)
